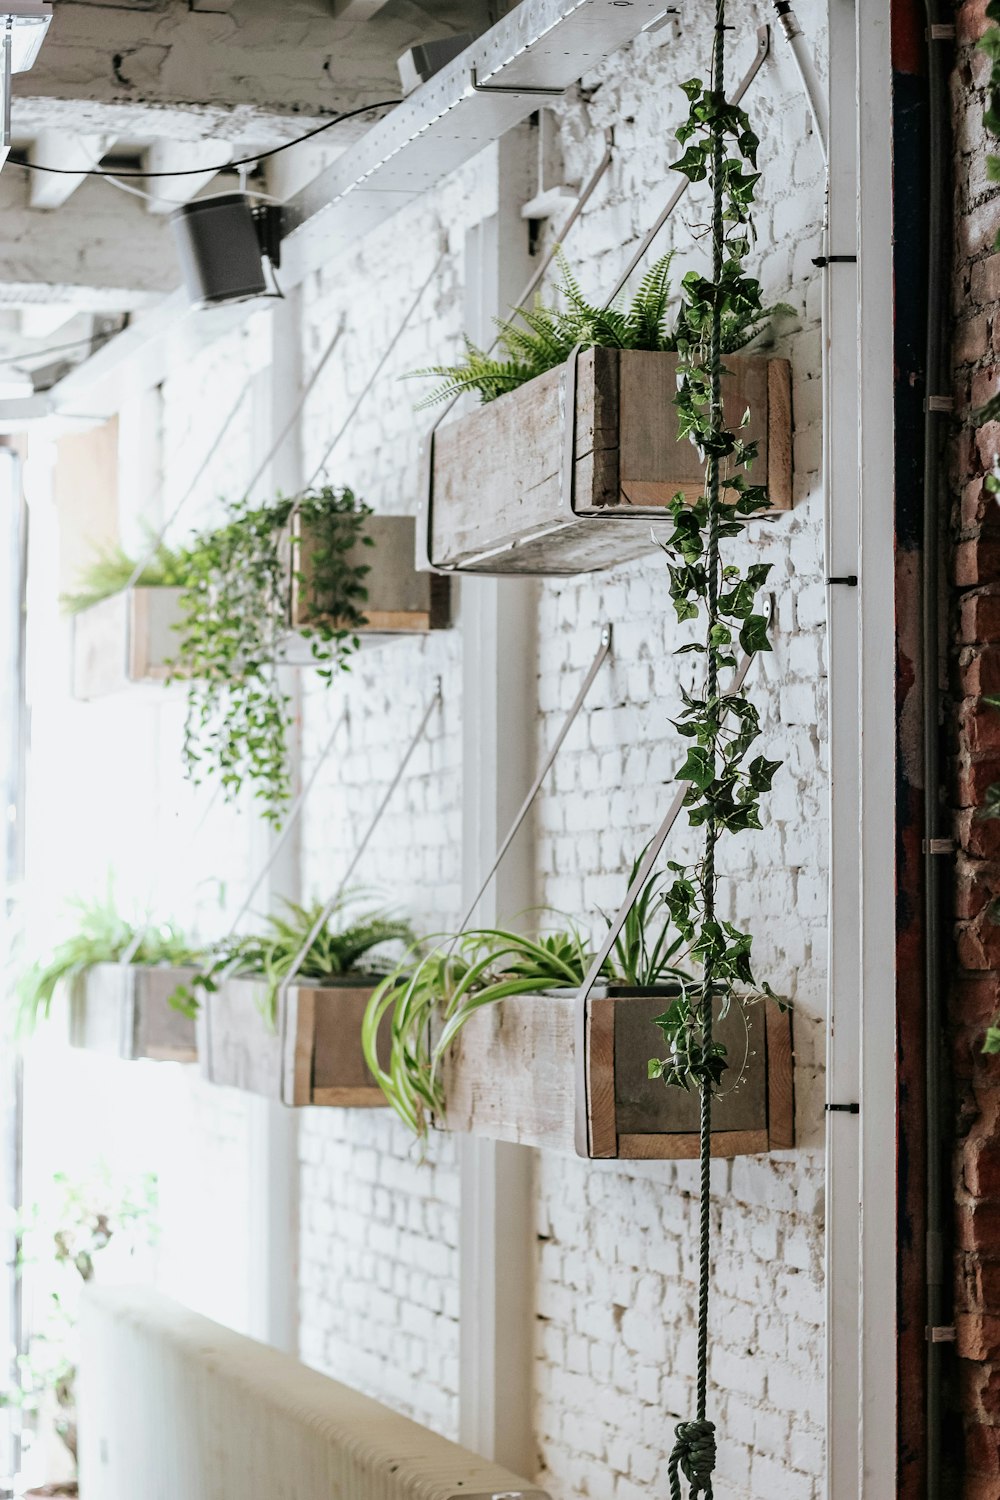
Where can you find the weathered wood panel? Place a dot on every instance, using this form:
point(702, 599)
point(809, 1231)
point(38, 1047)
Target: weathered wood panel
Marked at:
point(312, 1055)
point(513, 1075)
point(499, 500)
point(124, 1011)
point(125, 640)
point(400, 601)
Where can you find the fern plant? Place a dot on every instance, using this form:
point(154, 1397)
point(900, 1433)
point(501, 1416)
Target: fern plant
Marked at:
point(344, 946)
point(236, 608)
point(111, 568)
point(431, 998)
point(102, 936)
point(533, 340)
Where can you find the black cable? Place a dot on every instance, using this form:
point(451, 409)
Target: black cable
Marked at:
point(225, 166)
point(59, 348)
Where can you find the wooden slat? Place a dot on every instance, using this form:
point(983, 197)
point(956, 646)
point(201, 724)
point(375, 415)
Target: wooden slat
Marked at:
point(725, 1143)
point(780, 1079)
point(780, 435)
point(601, 1115)
point(159, 1030)
point(510, 1074)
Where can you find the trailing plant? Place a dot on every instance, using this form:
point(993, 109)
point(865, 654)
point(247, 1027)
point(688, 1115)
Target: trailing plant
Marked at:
point(431, 998)
point(111, 570)
point(65, 1242)
point(102, 936)
point(237, 606)
point(725, 779)
point(343, 946)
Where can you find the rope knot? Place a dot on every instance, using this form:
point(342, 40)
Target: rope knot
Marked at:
point(694, 1454)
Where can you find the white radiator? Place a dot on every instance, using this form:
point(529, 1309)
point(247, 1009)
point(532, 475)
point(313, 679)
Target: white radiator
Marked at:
point(175, 1407)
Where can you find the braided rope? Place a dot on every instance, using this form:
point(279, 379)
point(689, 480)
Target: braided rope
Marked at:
point(694, 1449)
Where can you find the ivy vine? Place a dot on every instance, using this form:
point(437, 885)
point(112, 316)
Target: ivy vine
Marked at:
point(725, 779)
point(237, 605)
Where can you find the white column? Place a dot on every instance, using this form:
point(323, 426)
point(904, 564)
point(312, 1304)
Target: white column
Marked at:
point(841, 501)
point(877, 757)
point(273, 1128)
point(497, 618)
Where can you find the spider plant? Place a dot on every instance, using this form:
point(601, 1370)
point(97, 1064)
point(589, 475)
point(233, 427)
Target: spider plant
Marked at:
point(102, 936)
point(341, 948)
point(431, 998)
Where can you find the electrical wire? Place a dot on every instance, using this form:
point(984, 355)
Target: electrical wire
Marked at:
point(92, 338)
point(225, 166)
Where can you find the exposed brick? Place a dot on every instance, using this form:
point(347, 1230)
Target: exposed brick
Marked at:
point(975, 999)
point(978, 1336)
point(986, 281)
point(977, 884)
point(972, 341)
point(987, 443)
point(979, 672)
point(979, 1229)
point(977, 561)
point(979, 617)
point(975, 777)
point(970, 20)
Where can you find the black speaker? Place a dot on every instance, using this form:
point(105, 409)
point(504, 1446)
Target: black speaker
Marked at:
point(219, 245)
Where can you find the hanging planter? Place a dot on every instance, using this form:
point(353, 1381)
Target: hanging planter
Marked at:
point(399, 600)
point(125, 640)
point(279, 1012)
point(565, 474)
point(124, 1010)
point(549, 1070)
point(310, 1053)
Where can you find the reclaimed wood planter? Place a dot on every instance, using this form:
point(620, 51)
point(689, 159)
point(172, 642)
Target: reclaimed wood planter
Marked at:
point(564, 474)
point(400, 600)
point(125, 640)
point(311, 1055)
point(129, 638)
point(542, 1071)
point(124, 1010)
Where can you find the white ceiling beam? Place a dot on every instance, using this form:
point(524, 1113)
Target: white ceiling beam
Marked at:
point(63, 149)
point(179, 156)
point(103, 253)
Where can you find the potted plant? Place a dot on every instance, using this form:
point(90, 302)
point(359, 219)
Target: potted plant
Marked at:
point(89, 1230)
point(491, 1034)
point(122, 1009)
point(578, 444)
point(301, 1041)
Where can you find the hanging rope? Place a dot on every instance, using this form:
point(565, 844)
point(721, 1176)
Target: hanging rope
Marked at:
point(694, 1446)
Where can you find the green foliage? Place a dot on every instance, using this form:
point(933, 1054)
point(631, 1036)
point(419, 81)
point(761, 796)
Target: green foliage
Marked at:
point(342, 947)
point(111, 568)
point(725, 781)
point(64, 1244)
point(102, 936)
point(533, 340)
point(237, 606)
point(431, 997)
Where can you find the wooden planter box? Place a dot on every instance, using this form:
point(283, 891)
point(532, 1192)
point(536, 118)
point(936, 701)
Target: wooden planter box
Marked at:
point(514, 488)
point(124, 1011)
point(541, 1071)
point(125, 640)
point(312, 1056)
point(400, 600)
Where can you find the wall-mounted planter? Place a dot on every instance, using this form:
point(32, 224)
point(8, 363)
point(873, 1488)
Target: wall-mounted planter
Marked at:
point(540, 1071)
point(311, 1056)
point(125, 640)
point(400, 600)
point(123, 1010)
point(514, 487)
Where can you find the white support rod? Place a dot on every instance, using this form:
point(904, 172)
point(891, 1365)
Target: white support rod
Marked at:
point(841, 500)
point(877, 1030)
point(802, 53)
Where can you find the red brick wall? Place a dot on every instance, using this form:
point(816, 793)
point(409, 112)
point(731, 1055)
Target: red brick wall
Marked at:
point(975, 991)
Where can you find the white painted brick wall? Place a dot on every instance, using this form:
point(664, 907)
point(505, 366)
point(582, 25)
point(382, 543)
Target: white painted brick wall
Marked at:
point(615, 1292)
